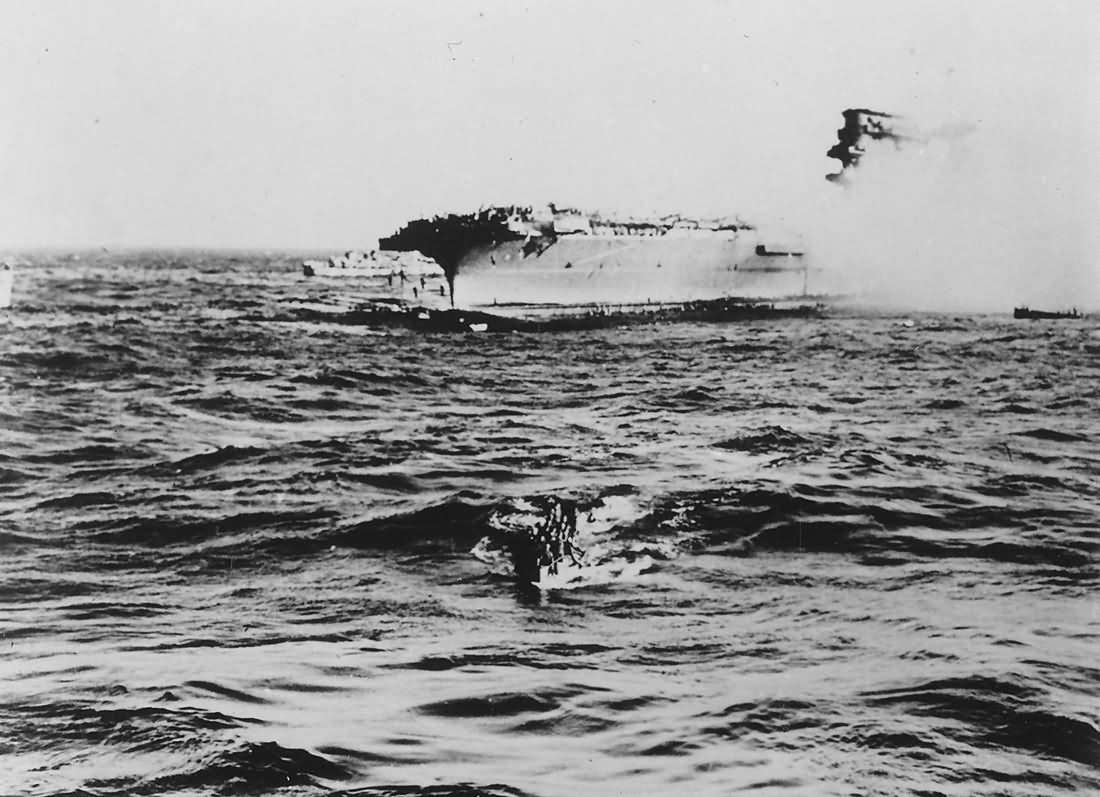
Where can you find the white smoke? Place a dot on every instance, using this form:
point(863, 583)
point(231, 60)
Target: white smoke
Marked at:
point(961, 218)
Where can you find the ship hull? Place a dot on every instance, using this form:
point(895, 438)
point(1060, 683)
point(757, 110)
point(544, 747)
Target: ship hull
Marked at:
point(585, 270)
point(1026, 313)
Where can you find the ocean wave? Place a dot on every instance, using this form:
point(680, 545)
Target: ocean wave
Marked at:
point(1053, 435)
point(353, 378)
point(96, 610)
point(251, 768)
point(235, 406)
point(162, 531)
point(208, 460)
point(916, 521)
point(58, 724)
point(78, 500)
point(767, 718)
point(99, 452)
point(764, 440)
point(12, 541)
point(25, 589)
point(454, 521)
point(438, 790)
point(990, 710)
point(561, 656)
point(223, 643)
point(840, 519)
point(503, 704)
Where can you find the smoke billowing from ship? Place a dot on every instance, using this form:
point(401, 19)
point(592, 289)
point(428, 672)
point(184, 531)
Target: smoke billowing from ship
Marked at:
point(957, 217)
point(961, 217)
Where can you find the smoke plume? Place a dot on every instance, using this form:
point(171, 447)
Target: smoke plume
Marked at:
point(955, 218)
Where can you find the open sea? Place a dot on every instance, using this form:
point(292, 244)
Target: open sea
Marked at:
point(857, 555)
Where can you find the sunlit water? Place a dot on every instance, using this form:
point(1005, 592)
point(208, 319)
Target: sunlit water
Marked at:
point(236, 548)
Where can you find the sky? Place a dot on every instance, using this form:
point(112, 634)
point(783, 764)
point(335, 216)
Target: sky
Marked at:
point(328, 124)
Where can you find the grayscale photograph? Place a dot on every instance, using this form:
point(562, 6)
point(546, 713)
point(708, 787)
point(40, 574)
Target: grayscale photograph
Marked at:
point(563, 399)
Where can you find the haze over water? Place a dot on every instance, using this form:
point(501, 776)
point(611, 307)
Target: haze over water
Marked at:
point(956, 218)
point(237, 548)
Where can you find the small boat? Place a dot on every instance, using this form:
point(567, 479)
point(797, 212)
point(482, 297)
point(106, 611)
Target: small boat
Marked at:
point(539, 538)
point(1027, 312)
point(537, 541)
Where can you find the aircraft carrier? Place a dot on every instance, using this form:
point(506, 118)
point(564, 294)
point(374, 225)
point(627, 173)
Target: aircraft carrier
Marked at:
point(524, 260)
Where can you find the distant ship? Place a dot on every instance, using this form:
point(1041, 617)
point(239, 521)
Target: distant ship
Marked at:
point(1028, 313)
point(374, 264)
point(525, 259)
point(7, 277)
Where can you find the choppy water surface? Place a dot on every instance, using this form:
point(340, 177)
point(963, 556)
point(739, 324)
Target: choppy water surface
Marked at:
point(236, 549)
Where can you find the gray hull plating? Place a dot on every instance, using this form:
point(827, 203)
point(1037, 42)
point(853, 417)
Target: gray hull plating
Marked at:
point(611, 270)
